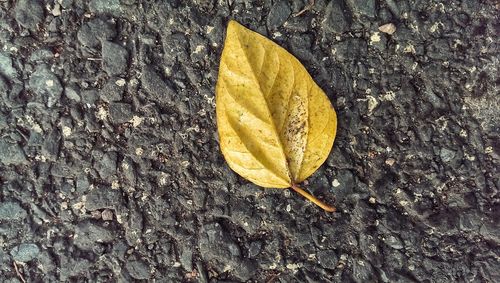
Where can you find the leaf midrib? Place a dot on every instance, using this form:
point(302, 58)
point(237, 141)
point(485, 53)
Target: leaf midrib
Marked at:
point(267, 107)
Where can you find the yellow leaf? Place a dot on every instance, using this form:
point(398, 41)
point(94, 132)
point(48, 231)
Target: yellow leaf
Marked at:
point(276, 126)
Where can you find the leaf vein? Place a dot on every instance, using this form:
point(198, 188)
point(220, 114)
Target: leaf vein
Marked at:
point(267, 106)
point(246, 140)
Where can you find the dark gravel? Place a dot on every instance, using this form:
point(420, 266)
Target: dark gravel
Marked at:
point(110, 168)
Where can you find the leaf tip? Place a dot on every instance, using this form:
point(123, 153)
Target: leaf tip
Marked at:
point(233, 25)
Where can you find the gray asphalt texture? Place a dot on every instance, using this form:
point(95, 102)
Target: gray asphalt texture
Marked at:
point(110, 169)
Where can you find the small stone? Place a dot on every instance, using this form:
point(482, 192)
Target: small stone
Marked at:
point(136, 121)
point(153, 83)
point(56, 11)
point(50, 147)
point(385, 15)
point(120, 112)
point(120, 82)
point(112, 90)
point(115, 185)
point(106, 166)
point(115, 58)
point(211, 248)
point(44, 83)
point(186, 255)
point(374, 38)
point(4, 88)
point(346, 183)
point(96, 214)
point(278, 14)
point(89, 96)
point(73, 267)
point(245, 269)
point(25, 252)
point(372, 103)
point(393, 242)
point(11, 153)
point(327, 259)
point(335, 183)
point(254, 249)
point(390, 161)
point(66, 131)
point(372, 200)
point(293, 266)
point(94, 31)
point(42, 54)
point(337, 19)
point(6, 67)
point(447, 155)
point(198, 49)
point(29, 13)
point(134, 229)
point(70, 93)
point(389, 28)
point(88, 234)
point(362, 271)
point(138, 269)
point(378, 42)
point(106, 6)
point(107, 215)
point(102, 198)
point(11, 211)
point(362, 7)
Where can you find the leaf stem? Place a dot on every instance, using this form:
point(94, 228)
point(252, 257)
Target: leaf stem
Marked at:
point(313, 199)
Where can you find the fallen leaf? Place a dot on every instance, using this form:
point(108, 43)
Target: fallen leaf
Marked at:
point(276, 126)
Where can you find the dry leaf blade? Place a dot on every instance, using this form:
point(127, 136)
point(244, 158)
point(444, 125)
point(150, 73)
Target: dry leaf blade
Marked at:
point(276, 126)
